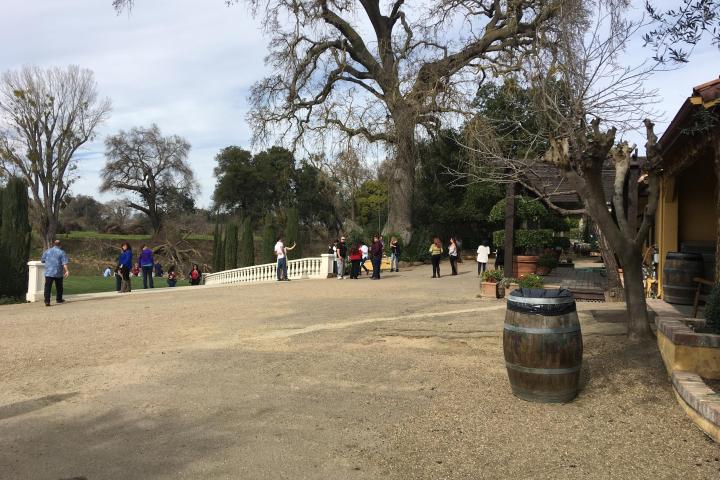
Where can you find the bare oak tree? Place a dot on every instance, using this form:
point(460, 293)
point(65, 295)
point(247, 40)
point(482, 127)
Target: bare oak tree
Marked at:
point(383, 71)
point(45, 117)
point(154, 168)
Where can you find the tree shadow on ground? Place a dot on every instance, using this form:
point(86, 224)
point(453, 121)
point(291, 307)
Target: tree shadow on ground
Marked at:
point(27, 406)
point(118, 443)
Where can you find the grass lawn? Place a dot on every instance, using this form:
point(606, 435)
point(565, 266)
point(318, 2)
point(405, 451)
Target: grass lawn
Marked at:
point(76, 284)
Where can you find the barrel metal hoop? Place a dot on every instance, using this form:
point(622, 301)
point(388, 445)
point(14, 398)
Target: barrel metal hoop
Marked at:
point(543, 371)
point(565, 329)
point(541, 301)
point(548, 309)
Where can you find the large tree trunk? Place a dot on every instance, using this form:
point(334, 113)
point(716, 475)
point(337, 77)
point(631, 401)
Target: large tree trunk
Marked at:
point(635, 293)
point(49, 228)
point(402, 182)
point(509, 228)
point(614, 291)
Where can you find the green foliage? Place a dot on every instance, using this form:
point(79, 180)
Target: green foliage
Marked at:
point(217, 248)
point(548, 260)
point(525, 239)
point(712, 310)
point(371, 203)
point(531, 281)
point(492, 276)
point(417, 249)
point(231, 246)
point(14, 239)
point(562, 242)
point(527, 210)
point(357, 236)
point(269, 238)
point(315, 195)
point(293, 234)
point(247, 244)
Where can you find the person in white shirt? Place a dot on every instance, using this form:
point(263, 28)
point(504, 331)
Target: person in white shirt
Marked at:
point(483, 252)
point(281, 260)
point(364, 249)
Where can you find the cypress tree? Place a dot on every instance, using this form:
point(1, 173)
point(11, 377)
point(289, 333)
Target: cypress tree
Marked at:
point(217, 248)
point(231, 246)
point(247, 244)
point(292, 232)
point(14, 239)
point(268, 241)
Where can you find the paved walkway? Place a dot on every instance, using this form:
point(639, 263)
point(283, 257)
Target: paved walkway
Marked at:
point(328, 379)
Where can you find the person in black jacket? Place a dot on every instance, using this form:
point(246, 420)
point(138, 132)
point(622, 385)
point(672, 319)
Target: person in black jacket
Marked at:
point(394, 254)
point(376, 252)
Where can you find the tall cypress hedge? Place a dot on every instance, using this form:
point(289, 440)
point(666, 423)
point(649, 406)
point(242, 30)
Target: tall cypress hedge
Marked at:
point(292, 232)
point(217, 249)
point(14, 239)
point(247, 244)
point(268, 241)
point(231, 246)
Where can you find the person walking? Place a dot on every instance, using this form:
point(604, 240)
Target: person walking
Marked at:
point(281, 260)
point(341, 253)
point(56, 270)
point(376, 252)
point(394, 254)
point(365, 253)
point(195, 275)
point(125, 263)
point(147, 263)
point(483, 253)
point(436, 250)
point(453, 252)
point(355, 256)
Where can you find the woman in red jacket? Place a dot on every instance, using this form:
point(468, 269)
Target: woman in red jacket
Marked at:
point(355, 258)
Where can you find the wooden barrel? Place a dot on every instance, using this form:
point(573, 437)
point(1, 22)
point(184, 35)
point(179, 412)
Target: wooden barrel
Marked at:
point(543, 345)
point(678, 273)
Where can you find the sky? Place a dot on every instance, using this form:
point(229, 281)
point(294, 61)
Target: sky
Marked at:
point(188, 65)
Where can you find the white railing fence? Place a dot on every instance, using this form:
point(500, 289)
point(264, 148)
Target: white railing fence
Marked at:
point(313, 267)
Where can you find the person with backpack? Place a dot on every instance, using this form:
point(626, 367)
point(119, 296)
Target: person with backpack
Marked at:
point(147, 262)
point(355, 257)
point(365, 255)
point(124, 266)
point(376, 251)
point(394, 254)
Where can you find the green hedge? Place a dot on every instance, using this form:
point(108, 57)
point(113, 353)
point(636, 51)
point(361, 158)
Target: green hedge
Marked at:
point(525, 238)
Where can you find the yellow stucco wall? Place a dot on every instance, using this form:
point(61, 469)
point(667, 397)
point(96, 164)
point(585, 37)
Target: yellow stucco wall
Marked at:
point(704, 361)
point(666, 224)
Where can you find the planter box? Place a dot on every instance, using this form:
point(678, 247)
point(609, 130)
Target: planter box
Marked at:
point(524, 265)
point(685, 349)
point(488, 289)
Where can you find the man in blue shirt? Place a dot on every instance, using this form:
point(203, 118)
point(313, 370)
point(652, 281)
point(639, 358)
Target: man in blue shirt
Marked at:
point(56, 268)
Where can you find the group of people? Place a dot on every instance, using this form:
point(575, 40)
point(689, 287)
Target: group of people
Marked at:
point(149, 268)
point(436, 252)
point(359, 252)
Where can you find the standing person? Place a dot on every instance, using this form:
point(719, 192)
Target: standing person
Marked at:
point(341, 255)
point(147, 263)
point(56, 269)
point(365, 251)
point(453, 252)
point(172, 276)
point(376, 251)
point(281, 260)
point(394, 254)
point(355, 257)
point(483, 252)
point(287, 259)
point(436, 250)
point(158, 270)
point(195, 275)
point(499, 258)
point(125, 261)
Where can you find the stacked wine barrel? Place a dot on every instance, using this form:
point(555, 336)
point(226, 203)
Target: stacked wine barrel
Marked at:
point(543, 345)
point(678, 273)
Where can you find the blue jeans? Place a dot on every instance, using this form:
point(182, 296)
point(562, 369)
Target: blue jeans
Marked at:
point(147, 272)
point(376, 266)
point(394, 261)
point(282, 268)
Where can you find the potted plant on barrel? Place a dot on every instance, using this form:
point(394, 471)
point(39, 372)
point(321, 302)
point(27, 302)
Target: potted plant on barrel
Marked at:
point(489, 283)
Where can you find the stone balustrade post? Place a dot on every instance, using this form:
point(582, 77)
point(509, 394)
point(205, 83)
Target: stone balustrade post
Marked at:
point(36, 281)
point(327, 261)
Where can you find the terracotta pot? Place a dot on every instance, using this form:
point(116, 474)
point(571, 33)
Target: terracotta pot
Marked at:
point(488, 289)
point(524, 265)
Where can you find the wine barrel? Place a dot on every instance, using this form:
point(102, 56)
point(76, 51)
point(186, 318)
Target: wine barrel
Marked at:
point(678, 273)
point(543, 345)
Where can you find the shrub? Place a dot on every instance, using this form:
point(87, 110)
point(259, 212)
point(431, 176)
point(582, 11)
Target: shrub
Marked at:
point(492, 276)
point(562, 242)
point(548, 260)
point(293, 234)
point(712, 310)
point(531, 281)
point(269, 238)
point(417, 249)
point(14, 238)
point(246, 257)
point(231, 246)
point(506, 281)
point(525, 239)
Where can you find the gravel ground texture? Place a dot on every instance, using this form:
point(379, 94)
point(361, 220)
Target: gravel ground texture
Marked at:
point(401, 378)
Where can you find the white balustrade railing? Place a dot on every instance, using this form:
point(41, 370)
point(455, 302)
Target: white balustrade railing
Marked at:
point(313, 267)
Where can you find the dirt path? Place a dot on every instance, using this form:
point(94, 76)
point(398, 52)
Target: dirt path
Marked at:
point(402, 378)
